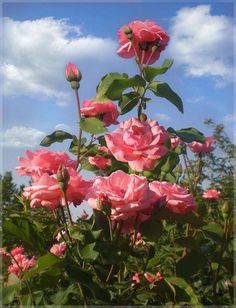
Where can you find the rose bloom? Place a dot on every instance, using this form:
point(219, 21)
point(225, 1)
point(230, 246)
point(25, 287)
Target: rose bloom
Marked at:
point(106, 111)
point(46, 191)
point(135, 279)
point(147, 41)
point(17, 251)
point(100, 161)
point(177, 198)
point(58, 249)
point(20, 262)
point(174, 142)
point(138, 143)
point(206, 147)
point(211, 194)
point(128, 195)
point(42, 161)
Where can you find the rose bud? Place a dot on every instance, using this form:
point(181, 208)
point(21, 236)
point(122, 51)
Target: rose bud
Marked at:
point(73, 73)
point(104, 203)
point(63, 177)
point(142, 117)
point(225, 210)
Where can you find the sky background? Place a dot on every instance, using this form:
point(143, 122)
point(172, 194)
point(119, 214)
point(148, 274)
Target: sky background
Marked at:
point(40, 39)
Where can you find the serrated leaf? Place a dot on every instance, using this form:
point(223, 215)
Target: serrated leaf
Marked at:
point(128, 102)
point(151, 72)
point(92, 125)
point(88, 253)
point(188, 134)
point(57, 136)
point(117, 87)
point(162, 89)
point(104, 85)
point(74, 145)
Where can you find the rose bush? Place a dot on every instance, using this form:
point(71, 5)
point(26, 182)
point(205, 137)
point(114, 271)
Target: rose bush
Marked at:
point(149, 236)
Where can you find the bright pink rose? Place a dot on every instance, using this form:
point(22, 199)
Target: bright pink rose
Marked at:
point(211, 194)
point(20, 262)
point(106, 110)
point(149, 277)
point(46, 191)
point(128, 194)
point(177, 198)
point(136, 279)
point(146, 41)
point(72, 73)
point(206, 147)
point(42, 161)
point(100, 161)
point(138, 143)
point(174, 142)
point(159, 276)
point(58, 249)
point(17, 251)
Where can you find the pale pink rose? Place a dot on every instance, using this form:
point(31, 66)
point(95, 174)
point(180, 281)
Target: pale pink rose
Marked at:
point(136, 279)
point(17, 250)
point(20, 262)
point(60, 235)
point(206, 147)
point(147, 42)
point(128, 195)
point(58, 249)
point(148, 277)
point(177, 198)
point(42, 161)
point(46, 191)
point(211, 194)
point(174, 142)
point(100, 161)
point(138, 143)
point(72, 73)
point(107, 111)
point(104, 149)
point(4, 252)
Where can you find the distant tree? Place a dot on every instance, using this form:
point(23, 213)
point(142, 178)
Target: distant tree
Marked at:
point(8, 190)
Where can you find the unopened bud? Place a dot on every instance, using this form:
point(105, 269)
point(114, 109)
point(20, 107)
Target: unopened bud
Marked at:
point(225, 209)
point(63, 177)
point(75, 85)
point(73, 73)
point(104, 204)
point(128, 30)
point(142, 117)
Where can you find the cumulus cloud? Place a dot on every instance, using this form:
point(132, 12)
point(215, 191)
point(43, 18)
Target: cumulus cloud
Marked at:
point(21, 137)
point(203, 42)
point(62, 126)
point(37, 51)
point(229, 118)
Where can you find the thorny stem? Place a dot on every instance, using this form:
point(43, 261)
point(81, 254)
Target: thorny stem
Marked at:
point(80, 130)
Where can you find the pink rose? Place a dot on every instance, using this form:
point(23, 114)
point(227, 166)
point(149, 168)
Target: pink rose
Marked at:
point(72, 73)
point(177, 198)
point(149, 278)
point(136, 279)
point(159, 276)
point(106, 110)
point(138, 143)
point(211, 194)
point(17, 251)
point(145, 40)
point(100, 161)
point(206, 147)
point(42, 161)
point(58, 249)
point(174, 142)
point(46, 191)
point(128, 195)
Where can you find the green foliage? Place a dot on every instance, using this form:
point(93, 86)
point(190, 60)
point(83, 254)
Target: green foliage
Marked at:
point(92, 125)
point(151, 72)
point(189, 134)
point(57, 136)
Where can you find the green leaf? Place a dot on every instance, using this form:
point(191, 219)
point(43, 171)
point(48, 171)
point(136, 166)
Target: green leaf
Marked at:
point(188, 134)
point(88, 253)
point(26, 300)
point(77, 274)
point(214, 232)
point(74, 145)
point(187, 242)
point(92, 125)
point(128, 102)
point(57, 136)
point(151, 72)
point(105, 84)
point(151, 229)
point(9, 293)
point(162, 89)
point(184, 292)
point(190, 264)
point(117, 87)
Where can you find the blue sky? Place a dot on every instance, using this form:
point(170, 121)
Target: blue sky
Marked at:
point(40, 39)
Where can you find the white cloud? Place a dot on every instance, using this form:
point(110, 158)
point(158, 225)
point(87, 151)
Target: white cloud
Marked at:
point(21, 137)
point(36, 53)
point(195, 100)
point(203, 42)
point(62, 126)
point(162, 117)
point(229, 118)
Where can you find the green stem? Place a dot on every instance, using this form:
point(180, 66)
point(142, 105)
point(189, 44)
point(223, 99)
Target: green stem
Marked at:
point(67, 208)
point(80, 130)
point(110, 227)
point(82, 295)
point(110, 273)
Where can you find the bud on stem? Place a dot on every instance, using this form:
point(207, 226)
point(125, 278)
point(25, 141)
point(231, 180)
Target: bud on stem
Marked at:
point(63, 177)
